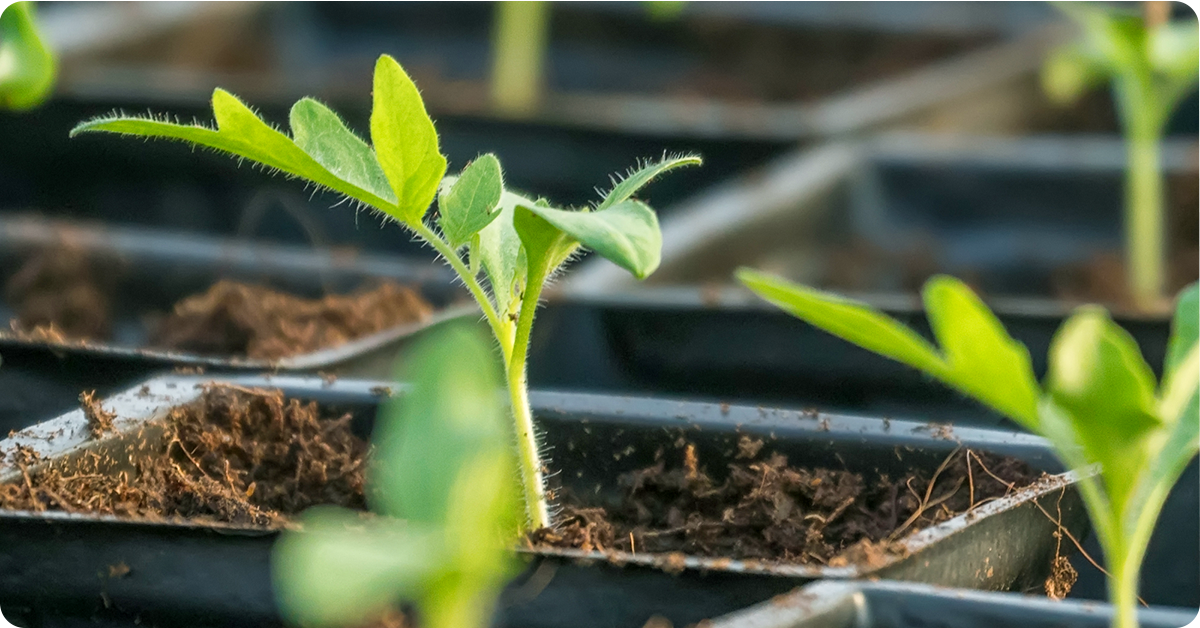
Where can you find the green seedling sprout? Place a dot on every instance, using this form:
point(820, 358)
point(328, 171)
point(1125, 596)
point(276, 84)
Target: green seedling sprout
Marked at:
point(1152, 65)
point(1099, 405)
point(27, 66)
point(482, 229)
point(444, 511)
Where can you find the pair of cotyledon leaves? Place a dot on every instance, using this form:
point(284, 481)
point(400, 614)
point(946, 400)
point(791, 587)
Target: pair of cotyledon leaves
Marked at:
point(400, 174)
point(440, 485)
point(1099, 402)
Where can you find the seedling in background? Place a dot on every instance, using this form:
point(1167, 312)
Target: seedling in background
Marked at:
point(482, 229)
point(1152, 65)
point(444, 510)
point(27, 67)
point(1099, 404)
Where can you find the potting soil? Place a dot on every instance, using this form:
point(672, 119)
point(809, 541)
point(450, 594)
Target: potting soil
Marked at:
point(238, 456)
point(58, 297)
point(767, 510)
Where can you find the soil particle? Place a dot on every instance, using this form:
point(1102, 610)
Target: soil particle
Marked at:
point(99, 420)
point(1062, 578)
point(238, 456)
point(260, 323)
point(748, 448)
point(765, 509)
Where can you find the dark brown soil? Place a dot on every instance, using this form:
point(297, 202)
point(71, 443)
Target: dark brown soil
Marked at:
point(768, 510)
point(58, 297)
point(255, 321)
point(238, 456)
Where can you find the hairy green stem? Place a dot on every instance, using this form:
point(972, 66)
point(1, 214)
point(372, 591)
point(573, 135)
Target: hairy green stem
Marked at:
point(533, 483)
point(468, 278)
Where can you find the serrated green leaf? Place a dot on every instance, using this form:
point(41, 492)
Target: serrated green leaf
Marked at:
point(452, 413)
point(983, 360)
point(1098, 376)
point(850, 320)
point(27, 65)
point(472, 201)
point(344, 568)
point(636, 180)
point(406, 143)
point(321, 133)
point(239, 132)
point(626, 233)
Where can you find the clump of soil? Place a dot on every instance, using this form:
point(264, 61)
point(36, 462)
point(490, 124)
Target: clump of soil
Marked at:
point(768, 510)
point(99, 420)
point(57, 296)
point(239, 456)
point(255, 321)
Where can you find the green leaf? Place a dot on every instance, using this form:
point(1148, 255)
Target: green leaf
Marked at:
point(406, 143)
point(452, 413)
point(344, 568)
point(318, 131)
point(473, 200)
point(545, 245)
point(500, 252)
point(240, 132)
point(27, 66)
point(849, 320)
point(485, 519)
point(1183, 328)
point(1098, 376)
point(1174, 49)
point(984, 361)
point(626, 233)
point(638, 178)
point(977, 357)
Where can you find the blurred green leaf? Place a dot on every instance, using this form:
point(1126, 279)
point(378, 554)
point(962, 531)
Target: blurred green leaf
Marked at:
point(1183, 328)
point(1098, 376)
point(472, 200)
point(983, 360)
point(27, 66)
point(1174, 49)
point(977, 356)
point(849, 320)
point(1069, 72)
point(406, 143)
point(452, 413)
point(343, 568)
